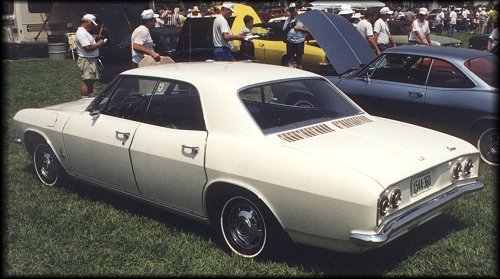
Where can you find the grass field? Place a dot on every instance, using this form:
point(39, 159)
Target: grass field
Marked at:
point(80, 230)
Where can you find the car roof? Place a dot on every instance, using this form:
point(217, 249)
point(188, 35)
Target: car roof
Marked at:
point(231, 74)
point(448, 53)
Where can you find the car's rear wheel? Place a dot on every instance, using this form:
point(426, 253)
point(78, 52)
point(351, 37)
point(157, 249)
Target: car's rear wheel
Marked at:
point(488, 144)
point(246, 226)
point(47, 167)
point(301, 101)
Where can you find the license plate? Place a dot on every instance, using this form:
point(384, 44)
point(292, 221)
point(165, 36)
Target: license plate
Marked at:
point(421, 183)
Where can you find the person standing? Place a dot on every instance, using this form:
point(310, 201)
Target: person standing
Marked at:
point(466, 19)
point(295, 33)
point(420, 31)
point(381, 30)
point(439, 23)
point(142, 43)
point(88, 52)
point(222, 34)
point(453, 22)
point(365, 27)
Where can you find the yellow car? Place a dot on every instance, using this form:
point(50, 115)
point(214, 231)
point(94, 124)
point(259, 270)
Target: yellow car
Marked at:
point(269, 47)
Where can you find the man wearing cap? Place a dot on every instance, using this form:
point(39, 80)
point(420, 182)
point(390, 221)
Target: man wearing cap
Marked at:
point(295, 36)
point(365, 27)
point(381, 30)
point(142, 43)
point(346, 11)
point(222, 34)
point(420, 31)
point(195, 12)
point(88, 52)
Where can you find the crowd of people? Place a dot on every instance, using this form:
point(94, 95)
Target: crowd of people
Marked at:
point(373, 26)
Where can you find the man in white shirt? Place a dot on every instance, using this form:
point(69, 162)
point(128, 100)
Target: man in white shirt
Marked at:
point(453, 22)
point(420, 31)
point(88, 52)
point(439, 23)
point(466, 19)
point(142, 43)
point(381, 30)
point(222, 34)
point(366, 29)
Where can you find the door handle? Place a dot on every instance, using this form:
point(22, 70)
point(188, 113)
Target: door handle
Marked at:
point(416, 95)
point(122, 136)
point(194, 149)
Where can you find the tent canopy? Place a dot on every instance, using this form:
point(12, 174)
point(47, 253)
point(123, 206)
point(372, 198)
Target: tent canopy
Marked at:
point(363, 5)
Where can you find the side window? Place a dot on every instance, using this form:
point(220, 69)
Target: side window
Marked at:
point(400, 68)
point(176, 105)
point(128, 99)
point(444, 74)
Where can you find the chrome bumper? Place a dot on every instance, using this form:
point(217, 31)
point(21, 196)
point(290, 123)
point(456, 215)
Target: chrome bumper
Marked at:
point(414, 217)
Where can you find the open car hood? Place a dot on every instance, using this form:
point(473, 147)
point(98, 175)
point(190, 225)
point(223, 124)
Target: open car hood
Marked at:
point(344, 46)
point(119, 21)
point(197, 33)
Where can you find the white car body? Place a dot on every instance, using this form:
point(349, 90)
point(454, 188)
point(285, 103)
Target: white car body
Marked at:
point(321, 182)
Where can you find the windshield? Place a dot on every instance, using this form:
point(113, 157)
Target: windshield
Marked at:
point(292, 104)
point(485, 68)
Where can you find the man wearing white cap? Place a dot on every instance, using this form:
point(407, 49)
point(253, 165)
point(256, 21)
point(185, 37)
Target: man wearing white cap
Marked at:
point(346, 11)
point(222, 34)
point(142, 43)
point(381, 30)
point(420, 31)
point(295, 36)
point(88, 52)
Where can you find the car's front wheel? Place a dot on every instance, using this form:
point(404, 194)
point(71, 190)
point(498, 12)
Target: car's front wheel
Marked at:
point(47, 167)
point(246, 226)
point(487, 144)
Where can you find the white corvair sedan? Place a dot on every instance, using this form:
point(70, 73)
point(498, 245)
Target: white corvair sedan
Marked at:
point(255, 150)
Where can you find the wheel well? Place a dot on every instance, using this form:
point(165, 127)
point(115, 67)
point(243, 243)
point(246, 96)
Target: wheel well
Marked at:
point(479, 127)
point(218, 193)
point(284, 59)
point(31, 140)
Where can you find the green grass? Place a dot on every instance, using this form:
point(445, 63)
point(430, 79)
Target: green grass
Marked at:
point(81, 230)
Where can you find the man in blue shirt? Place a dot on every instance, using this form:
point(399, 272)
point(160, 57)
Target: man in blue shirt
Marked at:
point(295, 36)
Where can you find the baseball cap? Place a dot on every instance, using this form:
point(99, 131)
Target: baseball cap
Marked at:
point(89, 17)
point(422, 11)
point(385, 11)
point(345, 10)
point(292, 6)
point(148, 14)
point(228, 5)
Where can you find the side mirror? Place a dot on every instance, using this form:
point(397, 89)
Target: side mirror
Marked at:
point(94, 113)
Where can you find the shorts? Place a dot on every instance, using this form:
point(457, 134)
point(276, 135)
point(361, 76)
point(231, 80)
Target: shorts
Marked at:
point(295, 49)
point(88, 67)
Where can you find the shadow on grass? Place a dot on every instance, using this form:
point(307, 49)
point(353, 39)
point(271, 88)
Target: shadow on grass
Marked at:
point(375, 262)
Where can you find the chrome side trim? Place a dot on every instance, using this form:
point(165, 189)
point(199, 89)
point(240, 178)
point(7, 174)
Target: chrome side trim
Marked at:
point(414, 217)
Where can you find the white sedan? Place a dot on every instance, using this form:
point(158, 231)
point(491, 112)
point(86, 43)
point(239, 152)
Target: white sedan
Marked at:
point(256, 150)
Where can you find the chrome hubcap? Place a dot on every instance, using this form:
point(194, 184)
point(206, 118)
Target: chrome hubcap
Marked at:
point(243, 226)
point(488, 146)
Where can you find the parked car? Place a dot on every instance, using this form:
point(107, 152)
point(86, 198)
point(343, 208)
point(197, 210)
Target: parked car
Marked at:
point(479, 42)
point(452, 90)
point(239, 146)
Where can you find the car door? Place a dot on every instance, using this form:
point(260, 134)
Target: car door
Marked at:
point(392, 86)
point(97, 143)
point(168, 151)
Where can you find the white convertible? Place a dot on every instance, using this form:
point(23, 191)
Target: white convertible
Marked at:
point(257, 150)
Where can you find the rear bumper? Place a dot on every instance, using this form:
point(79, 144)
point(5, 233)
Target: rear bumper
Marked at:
point(413, 218)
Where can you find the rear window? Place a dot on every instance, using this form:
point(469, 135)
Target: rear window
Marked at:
point(287, 105)
point(485, 68)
